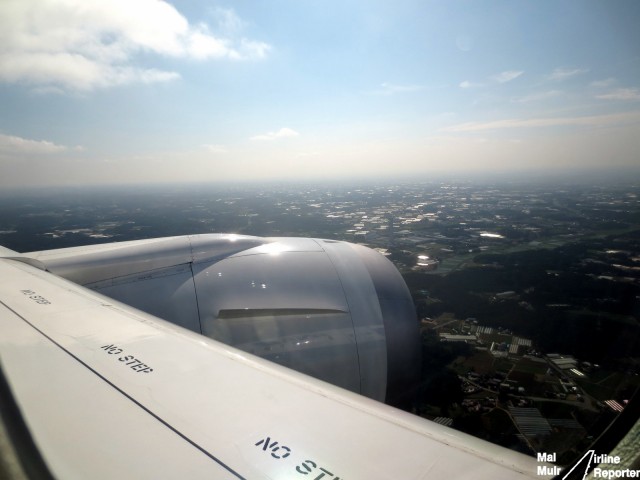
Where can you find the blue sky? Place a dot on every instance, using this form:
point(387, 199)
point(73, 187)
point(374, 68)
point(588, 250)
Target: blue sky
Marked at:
point(117, 91)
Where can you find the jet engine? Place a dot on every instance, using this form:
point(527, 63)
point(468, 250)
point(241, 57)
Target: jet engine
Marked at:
point(334, 310)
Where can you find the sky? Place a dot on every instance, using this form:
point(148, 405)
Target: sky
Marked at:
point(149, 91)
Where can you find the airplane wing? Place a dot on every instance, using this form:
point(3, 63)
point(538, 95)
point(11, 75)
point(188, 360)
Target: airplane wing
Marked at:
point(108, 391)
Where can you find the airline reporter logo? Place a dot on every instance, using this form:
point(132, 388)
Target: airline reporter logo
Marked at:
point(606, 466)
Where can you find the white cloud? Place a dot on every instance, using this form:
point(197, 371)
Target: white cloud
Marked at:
point(621, 94)
point(227, 20)
point(282, 133)
point(595, 121)
point(391, 88)
point(507, 76)
point(252, 49)
point(502, 77)
point(83, 45)
point(536, 97)
point(200, 44)
point(13, 145)
point(607, 82)
point(215, 149)
point(561, 74)
point(468, 84)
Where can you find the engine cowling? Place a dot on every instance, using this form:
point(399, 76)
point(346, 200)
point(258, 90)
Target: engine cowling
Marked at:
point(334, 310)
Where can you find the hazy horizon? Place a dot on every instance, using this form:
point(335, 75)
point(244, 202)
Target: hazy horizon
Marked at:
point(539, 178)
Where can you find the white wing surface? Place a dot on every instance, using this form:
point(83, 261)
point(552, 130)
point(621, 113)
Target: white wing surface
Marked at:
point(110, 392)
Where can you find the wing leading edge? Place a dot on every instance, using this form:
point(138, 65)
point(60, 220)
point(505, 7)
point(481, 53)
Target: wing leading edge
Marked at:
point(107, 391)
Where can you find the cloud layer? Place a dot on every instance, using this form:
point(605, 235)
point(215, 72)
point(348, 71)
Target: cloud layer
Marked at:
point(80, 46)
point(502, 77)
point(270, 136)
point(592, 121)
point(561, 74)
point(624, 94)
point(14, 145)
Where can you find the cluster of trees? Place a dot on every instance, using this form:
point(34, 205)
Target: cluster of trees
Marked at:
point(562, 299)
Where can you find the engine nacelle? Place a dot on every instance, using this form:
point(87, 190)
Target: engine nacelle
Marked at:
point(334, 310)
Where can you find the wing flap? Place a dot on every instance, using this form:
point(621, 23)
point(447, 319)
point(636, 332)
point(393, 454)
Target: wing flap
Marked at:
point(109, 390)
point(84, 427)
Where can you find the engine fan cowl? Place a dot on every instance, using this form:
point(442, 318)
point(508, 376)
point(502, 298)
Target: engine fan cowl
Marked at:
point(334, 310)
